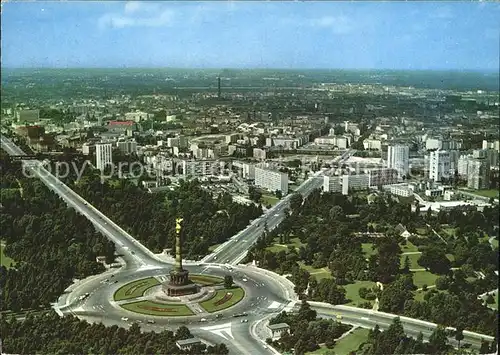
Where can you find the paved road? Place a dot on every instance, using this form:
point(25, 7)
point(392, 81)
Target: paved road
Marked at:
point(264, 297)
point(235, 249)
point(134, 253)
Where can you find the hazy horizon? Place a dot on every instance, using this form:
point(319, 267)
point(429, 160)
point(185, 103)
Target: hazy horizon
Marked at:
point(436, 36)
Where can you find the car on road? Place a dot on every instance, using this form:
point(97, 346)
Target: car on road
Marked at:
point(150, 321)
point(244, 321)
point(125, 319)
point(203, 320)
point(218, 316)
point(244, 280)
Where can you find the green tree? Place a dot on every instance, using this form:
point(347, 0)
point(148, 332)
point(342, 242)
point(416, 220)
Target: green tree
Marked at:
point(459, 335)
point(228, 281)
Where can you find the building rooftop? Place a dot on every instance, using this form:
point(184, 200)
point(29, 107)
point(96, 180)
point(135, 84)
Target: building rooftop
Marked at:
point(278, 326)
point(190, 341)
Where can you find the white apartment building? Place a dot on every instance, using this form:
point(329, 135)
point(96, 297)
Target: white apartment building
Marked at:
point(439, 165)
point(232, 138)
point(248, 171)
point(290, 142)
point(492, 145)
point(136, 116)
point(478, 174)
point(400, 190)
point(463, 165)
point(88, 148)
point(372, 144)
point(352, 127)
point(432, 143)
point(179, 141)
point(381, 177)
point(127, 147)
point(398, 157)
point(104, 157)
point(197, 168)
point(203, 153)
point(331, 184)
point(259, 153)
point(271, 180)
point(354, 182)
point(342, 142)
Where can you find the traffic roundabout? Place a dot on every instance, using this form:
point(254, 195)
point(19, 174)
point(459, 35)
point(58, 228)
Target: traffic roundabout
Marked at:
point(146, 296)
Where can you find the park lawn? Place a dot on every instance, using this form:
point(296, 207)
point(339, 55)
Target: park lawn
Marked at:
point(447, 233)
point(421, 278)
point(487, 193)
point(206, 280)
point(413, 260)
point(368, 249)
point(421, 231)
point(158, 309)
point(135, 289)
point(352, 292)
point(319, 274)
point(277, 247)
point(408, 247)
point(212, 306)
point(450, 257)
point(5, 260)
point(269, 200)
point(351, 341)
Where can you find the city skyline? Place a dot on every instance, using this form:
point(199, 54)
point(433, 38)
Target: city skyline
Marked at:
point(289, 35)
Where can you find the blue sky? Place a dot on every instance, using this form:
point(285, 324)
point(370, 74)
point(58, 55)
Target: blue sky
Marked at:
point(351, 35)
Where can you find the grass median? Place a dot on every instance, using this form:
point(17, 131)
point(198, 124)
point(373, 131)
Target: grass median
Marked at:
point(135, 289)
point(158, 309)
point(223, 299)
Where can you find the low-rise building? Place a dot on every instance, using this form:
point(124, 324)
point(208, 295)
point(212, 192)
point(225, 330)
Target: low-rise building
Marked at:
point(127, 147)
point(187, 344)
point(277, 330)
point(198, 168)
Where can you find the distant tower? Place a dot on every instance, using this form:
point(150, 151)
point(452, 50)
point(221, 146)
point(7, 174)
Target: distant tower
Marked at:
point(218, 87)
point(179, 283)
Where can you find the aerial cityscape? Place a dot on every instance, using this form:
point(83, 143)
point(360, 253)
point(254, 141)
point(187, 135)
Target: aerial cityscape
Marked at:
point(230, 177)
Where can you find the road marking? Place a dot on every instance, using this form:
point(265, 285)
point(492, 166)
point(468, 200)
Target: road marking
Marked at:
point(274, 305)
point(220, 330)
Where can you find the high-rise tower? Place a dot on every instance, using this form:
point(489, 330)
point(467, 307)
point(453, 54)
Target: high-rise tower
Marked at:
point(218, 87)
point(179, 283)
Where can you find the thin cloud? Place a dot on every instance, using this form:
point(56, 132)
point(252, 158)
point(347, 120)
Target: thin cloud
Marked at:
point(134, 16)
point(443, 13)
point(338, 24)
